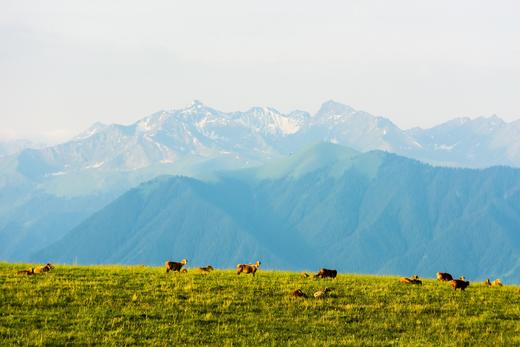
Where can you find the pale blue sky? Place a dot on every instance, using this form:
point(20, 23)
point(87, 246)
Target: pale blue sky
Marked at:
point(67, 64)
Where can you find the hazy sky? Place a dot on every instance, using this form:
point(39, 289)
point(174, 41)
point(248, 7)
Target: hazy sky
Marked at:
point(67, 64)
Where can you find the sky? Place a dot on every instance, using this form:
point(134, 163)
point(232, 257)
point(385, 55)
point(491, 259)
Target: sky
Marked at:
point(65, 65)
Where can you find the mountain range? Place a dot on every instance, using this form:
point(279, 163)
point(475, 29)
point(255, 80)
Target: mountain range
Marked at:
point(47, 192)
point(327, 206)
point(199, 133)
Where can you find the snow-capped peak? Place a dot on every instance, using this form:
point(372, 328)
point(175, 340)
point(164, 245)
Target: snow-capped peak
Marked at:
point(197, 104)
point(262, 133)
point(93, 129)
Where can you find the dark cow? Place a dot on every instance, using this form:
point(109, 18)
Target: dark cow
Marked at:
point(298, 293)
point(459, 284)
point(208, 268)
point(26, 272)
point(444, 276)
point(324, 273)
point(175, 265)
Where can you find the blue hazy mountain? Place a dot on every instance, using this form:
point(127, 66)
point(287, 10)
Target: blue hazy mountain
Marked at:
point(84, 174)
point(41, 220)
point(330, 206)
point(12, 147)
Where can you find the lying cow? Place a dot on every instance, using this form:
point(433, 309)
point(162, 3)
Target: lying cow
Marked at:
point(208, 268)
point(414, 280)
point(45, 268)
point(320, 294)
point(324, 273)
point(26, 272)
point(298, 293)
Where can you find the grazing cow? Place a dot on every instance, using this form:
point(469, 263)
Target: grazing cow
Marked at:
point(248, 268)
point(175, 266)
point(304, 275)
point(487, 283)
point(26, 272)
point(444, 276)
point(461, 284)
point(47, 267)
point(184, 271)
point(320, 294)
point(324, 273)
point(208, 268)
point(414, 280)
point(299, 294)
point(497, 283)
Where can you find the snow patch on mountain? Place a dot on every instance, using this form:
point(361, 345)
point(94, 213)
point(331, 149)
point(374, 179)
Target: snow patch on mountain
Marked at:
point(95, 166)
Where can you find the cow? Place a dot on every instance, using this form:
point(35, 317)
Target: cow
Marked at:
point(324, 273)
point(497, 283)
point(175, 266)
point(45, 268)
point(459, 284)
point(414, 280)
point(444, 276)
point(298, 293)
point(26, 272)
point(248, 268)
point(320, 294)
point(208, 268)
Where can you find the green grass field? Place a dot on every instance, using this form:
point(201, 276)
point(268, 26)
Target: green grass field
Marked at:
point(140, 305)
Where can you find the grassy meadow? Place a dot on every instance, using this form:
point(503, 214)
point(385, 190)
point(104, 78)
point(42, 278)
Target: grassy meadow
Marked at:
point(141, 305)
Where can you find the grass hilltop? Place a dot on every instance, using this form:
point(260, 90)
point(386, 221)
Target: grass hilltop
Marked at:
point(141, 305)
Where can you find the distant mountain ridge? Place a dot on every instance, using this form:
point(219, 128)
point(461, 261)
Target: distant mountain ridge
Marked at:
point(82, 175)
point(10, 147)
point(329, 206)
point(260, 134)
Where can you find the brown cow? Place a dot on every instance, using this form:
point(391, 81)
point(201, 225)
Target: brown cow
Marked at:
point(45, 268)
point(208, 268)
point(248, 268)
point(497, 283)
point(444, 276)
point(414, 280)
point(26, 272)
point(487, 283)
point(324, 273)
point(175, 266)
point(459, 284)
point(304, 275)
point(298, 293)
